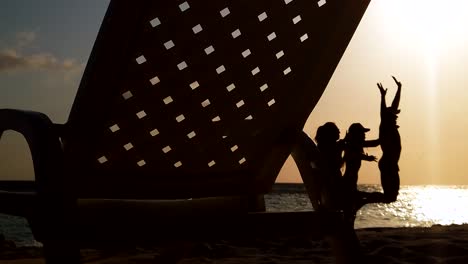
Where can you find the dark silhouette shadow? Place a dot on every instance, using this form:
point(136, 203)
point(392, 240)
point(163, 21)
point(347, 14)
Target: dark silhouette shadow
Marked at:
point(390, 143)
point(341, 192)
point(331, 149)
point(353, 156)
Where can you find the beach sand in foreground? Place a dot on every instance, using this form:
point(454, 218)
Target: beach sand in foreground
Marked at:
point(438, 244)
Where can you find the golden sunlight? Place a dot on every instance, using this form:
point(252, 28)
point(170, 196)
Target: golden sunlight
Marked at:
point(430, 27)
point(427, 24)
point(434, 30)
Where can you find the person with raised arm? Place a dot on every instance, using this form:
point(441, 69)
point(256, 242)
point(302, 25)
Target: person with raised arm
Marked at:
point(390, 142)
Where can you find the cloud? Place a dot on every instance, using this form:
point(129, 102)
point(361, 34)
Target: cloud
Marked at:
point(13, 60)
point(25, 38)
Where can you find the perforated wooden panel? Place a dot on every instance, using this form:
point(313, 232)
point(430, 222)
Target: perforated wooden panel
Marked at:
point(202, 87)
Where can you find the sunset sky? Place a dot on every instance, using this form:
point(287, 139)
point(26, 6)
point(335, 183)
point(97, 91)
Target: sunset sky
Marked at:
point(44, 46)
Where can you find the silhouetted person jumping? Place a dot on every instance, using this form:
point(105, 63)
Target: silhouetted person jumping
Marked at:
point(390, 143)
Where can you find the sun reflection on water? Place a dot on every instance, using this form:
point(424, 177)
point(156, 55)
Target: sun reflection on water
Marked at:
point(440, 205)
point(419, 206)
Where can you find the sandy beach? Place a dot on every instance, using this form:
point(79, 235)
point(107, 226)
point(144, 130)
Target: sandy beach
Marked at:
point(438, 244)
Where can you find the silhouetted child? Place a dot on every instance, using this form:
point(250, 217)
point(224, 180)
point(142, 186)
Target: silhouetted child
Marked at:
point(331, 151)
point(353, 156)
point(390, 143)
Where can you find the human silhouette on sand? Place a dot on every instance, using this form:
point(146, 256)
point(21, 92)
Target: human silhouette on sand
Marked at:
point(331, 147)
point(390, 143)
point(353, 156)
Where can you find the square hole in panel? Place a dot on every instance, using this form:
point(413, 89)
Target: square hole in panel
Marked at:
point(197, 29)
point(264, 87)
point(191, 134)
point(304, 37)
point(169, 44)
point(321, 3)
point(249, 117)
point(216, 119)
point(234, 148)
point(184, 6)
point(255, 71)
point(114, 128)
point(154, 132)
point(246, 53)
point(211, 163)
point(206, 103)
point(141, 163)
point(128, 146)
point(180, 118)
point(225, 12)
point(194, 85)
point(102, 159)
point(220, 69)
point(141, 114)
point(240, 103)
point(297, 19)
point(141, 59)
point(155, 80)
point(155, 22)
point(272, 36)
point(262, 16)
point(230, 87)
point(241, 161)
point(178, 164)
point(127, 95)
point(209, 50)
point(166, 149)
point(236, 33)
point(168, 100)
point(287, 71)
point(271, 102)
point(287, 1)
point(279, 54)
point(182, 65)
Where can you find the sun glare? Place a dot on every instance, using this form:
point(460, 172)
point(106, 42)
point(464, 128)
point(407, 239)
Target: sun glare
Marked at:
point(429, 24)
point(435, 205)
point(430, 31)
point(430, 27)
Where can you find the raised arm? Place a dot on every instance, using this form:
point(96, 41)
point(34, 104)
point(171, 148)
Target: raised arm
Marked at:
point(396, 100)
point(383, 104)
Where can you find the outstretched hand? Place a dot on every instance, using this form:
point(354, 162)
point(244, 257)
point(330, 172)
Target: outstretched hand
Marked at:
point(372, 158)
point(383, 91)
point(396, 81)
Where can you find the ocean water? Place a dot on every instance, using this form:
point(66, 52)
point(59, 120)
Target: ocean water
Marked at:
point(417, 206)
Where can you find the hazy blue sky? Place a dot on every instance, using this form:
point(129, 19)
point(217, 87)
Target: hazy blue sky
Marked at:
point(44, 46)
